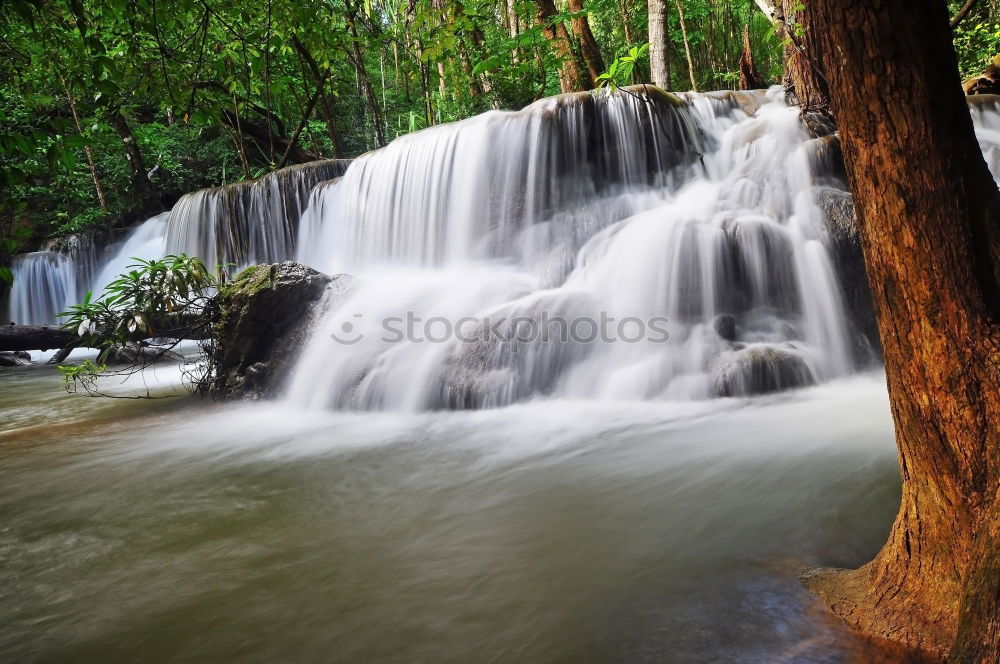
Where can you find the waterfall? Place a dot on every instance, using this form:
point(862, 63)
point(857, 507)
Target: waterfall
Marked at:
point(146, 241)
point(239, 224)
point(471, 190)
point(688, 229)
point(631, 246)
point(248, 222)
point(45, 284)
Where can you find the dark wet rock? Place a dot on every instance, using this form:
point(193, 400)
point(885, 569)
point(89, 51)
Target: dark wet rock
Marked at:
point(827, 160)
point(817, 123)
point(983, 101)
point(988, 83)
point(759, 370)
point(725, 327)
point(264, 316)
point(17, 358)
point(750, 243)
point(501, 362)
point(844, 240)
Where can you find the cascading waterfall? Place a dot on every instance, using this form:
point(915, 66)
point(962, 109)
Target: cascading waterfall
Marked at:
point(248, 222)
point(239, 224)
point(146, 242)
point(627, 208)
point(986, 119)
point(46, 284)
point(694, 216)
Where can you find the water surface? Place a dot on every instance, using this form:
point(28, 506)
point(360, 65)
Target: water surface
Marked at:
point(181, 531)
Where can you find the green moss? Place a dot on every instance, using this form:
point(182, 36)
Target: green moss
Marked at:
point(250, 281)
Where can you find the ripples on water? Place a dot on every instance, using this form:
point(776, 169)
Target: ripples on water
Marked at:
point(545, 532)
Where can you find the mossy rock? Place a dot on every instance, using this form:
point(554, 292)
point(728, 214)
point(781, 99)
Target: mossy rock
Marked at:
point(263, 317)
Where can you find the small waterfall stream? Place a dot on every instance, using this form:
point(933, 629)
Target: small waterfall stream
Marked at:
point(240, 224)
point(46, 283)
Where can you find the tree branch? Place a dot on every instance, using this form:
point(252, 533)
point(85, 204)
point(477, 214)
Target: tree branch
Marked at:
point(962, 13)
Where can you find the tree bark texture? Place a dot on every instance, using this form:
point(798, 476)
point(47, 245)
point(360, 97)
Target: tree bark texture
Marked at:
point(804, 78)
point(659, 44)
point(929, 215)
point(750, 78)
point(572, 77)
point(588, 44)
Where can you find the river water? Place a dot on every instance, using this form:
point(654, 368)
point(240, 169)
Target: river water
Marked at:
point(176, 530)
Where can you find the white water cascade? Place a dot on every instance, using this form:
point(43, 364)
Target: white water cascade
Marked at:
point(46, 284)
point(145, 242)
point(241, 224)
point(583, 207)
point(692, 218)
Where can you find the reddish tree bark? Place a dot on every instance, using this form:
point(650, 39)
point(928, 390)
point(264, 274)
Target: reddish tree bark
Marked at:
point(929, 221)
point(572, 77)
point(803, 79)
point(588, 45)
point(750, 78)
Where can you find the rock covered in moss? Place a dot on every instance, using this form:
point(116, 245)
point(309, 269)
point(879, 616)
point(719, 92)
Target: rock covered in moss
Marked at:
point(263, 318)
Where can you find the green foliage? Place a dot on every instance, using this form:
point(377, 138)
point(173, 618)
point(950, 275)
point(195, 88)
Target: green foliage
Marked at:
point(152, 297)
point(189, 76)
point(620, 71)
point(82, 377)
point(976, 44)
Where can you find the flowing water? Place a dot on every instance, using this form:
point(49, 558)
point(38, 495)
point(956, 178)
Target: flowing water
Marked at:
point(564, 531)
point(481, 498)
point(583, 209)
point(46, 285)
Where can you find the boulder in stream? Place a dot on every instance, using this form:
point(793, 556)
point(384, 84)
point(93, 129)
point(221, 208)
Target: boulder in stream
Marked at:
point(17, 358)
point(263, 318)
point(759, 370)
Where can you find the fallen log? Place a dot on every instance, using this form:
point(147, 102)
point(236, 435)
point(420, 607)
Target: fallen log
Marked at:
point(47, 337)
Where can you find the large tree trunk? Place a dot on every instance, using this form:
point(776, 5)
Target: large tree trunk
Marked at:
point(588, 45)
point(929, 214)
point(572, 77)
point(804, 79)
point(750, 78)
point(803, 73)
point(659, 44)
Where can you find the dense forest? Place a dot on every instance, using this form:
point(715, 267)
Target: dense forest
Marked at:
point(110, 109)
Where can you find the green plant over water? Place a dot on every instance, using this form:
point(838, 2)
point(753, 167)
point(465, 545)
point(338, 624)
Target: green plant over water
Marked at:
point(141, 315)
